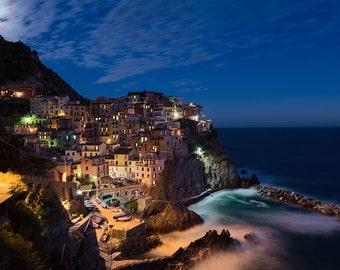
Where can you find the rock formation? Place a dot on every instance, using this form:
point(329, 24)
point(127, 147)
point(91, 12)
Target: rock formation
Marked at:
point(187, 258)
point(328, 209)
point(190, 175)
point(175, 217)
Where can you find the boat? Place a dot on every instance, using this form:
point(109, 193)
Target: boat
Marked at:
point(96, 219)
point(94, 225)
point(88, 229)
point(120, 215)
point(126, 218)
point(105, 236)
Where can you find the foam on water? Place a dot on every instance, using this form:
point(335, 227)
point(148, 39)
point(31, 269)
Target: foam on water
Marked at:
point(276, 226)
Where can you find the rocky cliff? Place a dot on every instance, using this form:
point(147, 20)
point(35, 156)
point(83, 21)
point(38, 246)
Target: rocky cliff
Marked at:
point(210, 167)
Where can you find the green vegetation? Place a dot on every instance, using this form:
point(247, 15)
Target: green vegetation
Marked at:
point(24, 236)
point(11, 110)
point(132, 206)
point(28, 119)
point(17, 252)
point(16, 61)
point(194, 139)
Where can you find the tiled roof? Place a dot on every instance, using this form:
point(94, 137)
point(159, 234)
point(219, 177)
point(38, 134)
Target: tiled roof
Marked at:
point(123, 150)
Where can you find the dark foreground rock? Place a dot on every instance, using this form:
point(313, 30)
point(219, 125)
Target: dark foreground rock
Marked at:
point(324, 208)
point(186, 258)
point(174, 217)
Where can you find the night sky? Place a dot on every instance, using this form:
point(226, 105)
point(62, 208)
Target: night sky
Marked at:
point(249, 63)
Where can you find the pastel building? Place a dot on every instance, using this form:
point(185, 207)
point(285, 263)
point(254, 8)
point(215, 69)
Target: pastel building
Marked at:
point(121, 162)
point(94, 168)
point(148, 169)
point(92, 149)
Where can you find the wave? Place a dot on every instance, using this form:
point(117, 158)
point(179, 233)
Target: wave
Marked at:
point(285, 235)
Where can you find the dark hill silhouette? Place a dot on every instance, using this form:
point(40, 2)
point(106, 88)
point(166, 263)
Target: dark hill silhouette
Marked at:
point(19, 63)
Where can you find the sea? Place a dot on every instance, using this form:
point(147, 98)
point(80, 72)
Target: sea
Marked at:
point(303, 160)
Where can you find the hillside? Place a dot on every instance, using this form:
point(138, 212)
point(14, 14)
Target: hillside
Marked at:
point(19, 63)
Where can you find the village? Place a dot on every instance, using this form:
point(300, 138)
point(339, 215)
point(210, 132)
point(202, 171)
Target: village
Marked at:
point(111, 148)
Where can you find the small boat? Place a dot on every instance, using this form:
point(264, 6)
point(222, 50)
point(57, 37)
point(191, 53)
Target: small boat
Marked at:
point(105, 236)
point(88, 229)
point(94, 225)
point(96, 219)
point(126, 218)
point(120, 215)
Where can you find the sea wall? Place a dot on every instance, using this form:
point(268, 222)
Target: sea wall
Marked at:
point(324, 208)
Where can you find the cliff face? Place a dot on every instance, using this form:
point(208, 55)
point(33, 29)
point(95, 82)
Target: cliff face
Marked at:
point(188, 176)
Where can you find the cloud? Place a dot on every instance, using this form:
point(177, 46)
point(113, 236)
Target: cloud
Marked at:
point(126, 38)
point(27, 19)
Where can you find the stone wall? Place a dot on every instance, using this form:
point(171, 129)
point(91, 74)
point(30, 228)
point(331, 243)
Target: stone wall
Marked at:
point(133, 240)
point(65, 190)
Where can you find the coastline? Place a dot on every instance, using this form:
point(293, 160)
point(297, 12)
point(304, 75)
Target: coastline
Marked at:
point(293, 198)
point(264, 240)
point(198, 198)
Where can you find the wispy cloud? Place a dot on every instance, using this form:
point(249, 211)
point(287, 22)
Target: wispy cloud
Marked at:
point(126, 38)
point(27, 19)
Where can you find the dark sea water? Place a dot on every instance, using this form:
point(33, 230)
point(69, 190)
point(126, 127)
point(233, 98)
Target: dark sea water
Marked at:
point(306, 161)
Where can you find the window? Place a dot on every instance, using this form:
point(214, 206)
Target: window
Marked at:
point(86, 168)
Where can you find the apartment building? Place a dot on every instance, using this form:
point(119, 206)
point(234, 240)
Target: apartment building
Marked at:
point(94, 168)
point(92, 149)
point(122, 161)
point(148, 169)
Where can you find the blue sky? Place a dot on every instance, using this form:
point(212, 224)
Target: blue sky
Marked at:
point(247, 62)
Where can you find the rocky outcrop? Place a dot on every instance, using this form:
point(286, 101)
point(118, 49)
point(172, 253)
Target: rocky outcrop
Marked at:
point(251, 239)
point(175, 217)
point(186, 177)
point(182, 178)
point(206, 166)
point(286, 196)
point(245, 182)
point(187, 258)
point(220, 170)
